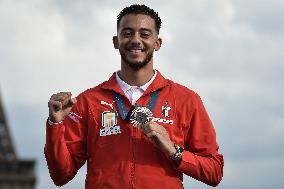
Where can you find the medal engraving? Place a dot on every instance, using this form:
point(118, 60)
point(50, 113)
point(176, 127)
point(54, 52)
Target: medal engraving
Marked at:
point(140, 115)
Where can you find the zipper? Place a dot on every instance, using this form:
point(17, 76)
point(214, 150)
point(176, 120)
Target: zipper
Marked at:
point(132, 164)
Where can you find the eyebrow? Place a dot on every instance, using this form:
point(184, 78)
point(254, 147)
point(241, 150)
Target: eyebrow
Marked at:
point(141, 29)
point(146, 29)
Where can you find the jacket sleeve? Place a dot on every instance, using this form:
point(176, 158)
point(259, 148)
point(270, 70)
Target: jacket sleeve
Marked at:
point(65, 148)
point(201, 159)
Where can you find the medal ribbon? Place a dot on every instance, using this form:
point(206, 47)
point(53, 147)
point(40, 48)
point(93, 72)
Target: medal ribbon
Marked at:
point(122, 109)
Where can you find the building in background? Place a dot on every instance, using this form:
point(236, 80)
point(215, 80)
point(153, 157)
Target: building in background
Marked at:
point(15, 173)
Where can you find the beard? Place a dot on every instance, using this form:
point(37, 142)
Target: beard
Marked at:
point(136, 65)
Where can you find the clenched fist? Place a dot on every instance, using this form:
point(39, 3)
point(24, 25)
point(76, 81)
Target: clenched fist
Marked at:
point(60, 105)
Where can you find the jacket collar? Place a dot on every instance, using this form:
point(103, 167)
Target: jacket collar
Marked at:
point(158, 83)
point(125, 87)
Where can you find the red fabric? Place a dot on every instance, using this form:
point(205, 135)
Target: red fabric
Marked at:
point(129, 159)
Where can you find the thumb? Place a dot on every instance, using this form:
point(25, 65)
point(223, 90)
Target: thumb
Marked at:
point(73, 101)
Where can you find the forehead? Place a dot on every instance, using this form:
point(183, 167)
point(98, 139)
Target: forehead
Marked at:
point(137, 21)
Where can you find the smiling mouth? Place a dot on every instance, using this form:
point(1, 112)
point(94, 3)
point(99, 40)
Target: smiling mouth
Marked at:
point(135, 51)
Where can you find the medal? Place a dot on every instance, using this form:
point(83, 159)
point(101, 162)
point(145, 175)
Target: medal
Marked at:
point(140, 115)
point(125, 115)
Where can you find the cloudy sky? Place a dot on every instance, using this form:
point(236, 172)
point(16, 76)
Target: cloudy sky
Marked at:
point(230, 52)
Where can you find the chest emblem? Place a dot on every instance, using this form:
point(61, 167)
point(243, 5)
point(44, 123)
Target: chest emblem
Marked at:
point(109, 124)
point(166, 109)
point(106, 104)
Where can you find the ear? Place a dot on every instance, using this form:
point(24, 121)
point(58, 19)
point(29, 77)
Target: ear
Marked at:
point(158, 44)
point(115, 42)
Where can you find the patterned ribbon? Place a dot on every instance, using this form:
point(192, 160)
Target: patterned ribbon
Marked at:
point(122, 109)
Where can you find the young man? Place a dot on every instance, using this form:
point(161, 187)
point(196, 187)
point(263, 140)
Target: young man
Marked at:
point(136, 130)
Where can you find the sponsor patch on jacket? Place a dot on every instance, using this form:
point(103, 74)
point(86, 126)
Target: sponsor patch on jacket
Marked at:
point(160, 120)
point(74, 116)
point(107, 104)
point(109, 124)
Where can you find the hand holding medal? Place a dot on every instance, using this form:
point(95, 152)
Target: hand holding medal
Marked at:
point(141, 117)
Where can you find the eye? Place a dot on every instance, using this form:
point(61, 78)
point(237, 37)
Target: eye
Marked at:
point(145, 34)
point(126, 33)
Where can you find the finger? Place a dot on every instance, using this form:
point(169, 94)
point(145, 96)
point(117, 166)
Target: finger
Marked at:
point(60, 96)
point(156, 138)
point(54, 105)
point(143, 127)
point(73, 100)
point(67, 103)
point(148, 128)
point(152, 134)
point(145, 130)
point(65, 93)
point(64, 99)
point(153, 126)
point(153, 123)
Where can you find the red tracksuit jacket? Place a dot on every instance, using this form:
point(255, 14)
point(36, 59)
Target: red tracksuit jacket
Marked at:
point(118, 155)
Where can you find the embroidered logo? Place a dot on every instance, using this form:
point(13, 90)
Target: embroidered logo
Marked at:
point(109, 123)
point(160, 120)
point(74, 116)
point(106, 104)
point(166, 110)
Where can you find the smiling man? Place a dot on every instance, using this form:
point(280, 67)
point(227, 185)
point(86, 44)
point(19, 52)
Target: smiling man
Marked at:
point(136, 130)
point(137, 39)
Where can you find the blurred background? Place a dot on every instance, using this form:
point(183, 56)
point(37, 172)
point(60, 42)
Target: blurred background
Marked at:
point(230, 52)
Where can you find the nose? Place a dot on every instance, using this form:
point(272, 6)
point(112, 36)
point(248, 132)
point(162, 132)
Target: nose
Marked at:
point(136, 39)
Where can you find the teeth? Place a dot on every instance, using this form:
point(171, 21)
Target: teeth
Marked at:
point(136, 50)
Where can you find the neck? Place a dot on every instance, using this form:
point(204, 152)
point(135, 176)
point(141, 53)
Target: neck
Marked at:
point(138, 77)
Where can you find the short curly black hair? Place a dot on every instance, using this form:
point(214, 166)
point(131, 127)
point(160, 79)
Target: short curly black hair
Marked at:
point(140, 9)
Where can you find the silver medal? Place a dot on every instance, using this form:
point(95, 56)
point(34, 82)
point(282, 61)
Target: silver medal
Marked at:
point(140, 115)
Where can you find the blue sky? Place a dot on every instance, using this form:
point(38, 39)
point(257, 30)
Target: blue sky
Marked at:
point(230, 52)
